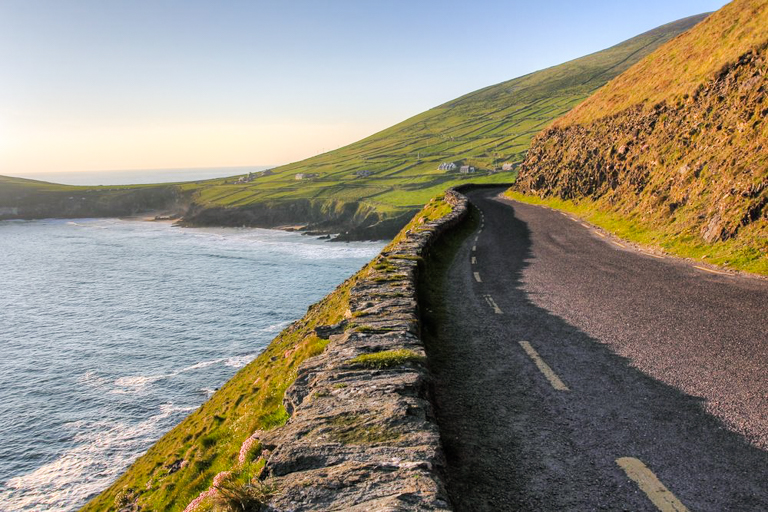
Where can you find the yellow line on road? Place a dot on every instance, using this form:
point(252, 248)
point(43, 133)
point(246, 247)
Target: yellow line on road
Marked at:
point(705, 269)
point(650, 485)
point(477, 277)
point(492, 303)
point(474, 260)
point(544, 367)
point(614, 242)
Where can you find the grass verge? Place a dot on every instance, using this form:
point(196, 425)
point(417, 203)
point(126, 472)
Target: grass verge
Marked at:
point(732, 253)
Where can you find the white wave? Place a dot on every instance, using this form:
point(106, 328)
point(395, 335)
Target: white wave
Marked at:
point(135, 384)
point(102, 451)
point(240, 361)
point(197, 366)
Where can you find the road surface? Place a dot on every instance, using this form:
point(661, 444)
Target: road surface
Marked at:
point(573, 372)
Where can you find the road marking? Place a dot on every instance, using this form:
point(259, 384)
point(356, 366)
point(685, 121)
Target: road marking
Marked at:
point(474, 260)
point(599, 234)
point(492, 303)
point(574, 220)
point(585, 225)
point(614, 242)
point(544, 367)
point(705, 269)
point(474, 247)
point(477, 277)
point(650, 485)
point(654, 255)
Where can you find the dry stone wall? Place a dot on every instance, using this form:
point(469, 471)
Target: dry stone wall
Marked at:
point(362, 434)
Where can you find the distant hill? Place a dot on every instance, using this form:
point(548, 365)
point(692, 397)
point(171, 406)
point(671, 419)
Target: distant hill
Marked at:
point(484, 129)
point(673, 152)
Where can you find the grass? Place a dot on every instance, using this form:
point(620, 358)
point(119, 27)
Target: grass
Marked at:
point(732, 253)
point(387, 359)
point(684, 63)
point(210, 439)
point(485, 128)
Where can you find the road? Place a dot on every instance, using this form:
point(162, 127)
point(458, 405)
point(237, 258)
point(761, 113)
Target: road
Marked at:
point(573, 372)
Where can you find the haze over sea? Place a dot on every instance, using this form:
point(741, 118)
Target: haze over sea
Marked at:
point(113, 330)
point(138, 177)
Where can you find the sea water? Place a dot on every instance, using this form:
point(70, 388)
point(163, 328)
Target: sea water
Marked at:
point(112, 331)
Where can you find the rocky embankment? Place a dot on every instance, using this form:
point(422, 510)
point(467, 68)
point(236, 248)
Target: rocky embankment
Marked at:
point(351, 220)
point(697, 165)
point(362, 434)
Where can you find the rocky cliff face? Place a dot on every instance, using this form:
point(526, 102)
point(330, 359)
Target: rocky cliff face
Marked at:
point(698, 163)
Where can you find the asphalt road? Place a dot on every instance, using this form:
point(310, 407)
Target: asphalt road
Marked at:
point(635, 368)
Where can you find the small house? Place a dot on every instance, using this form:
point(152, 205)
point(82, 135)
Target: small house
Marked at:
point(446, 166)
point(466, 169)
point(507, 166)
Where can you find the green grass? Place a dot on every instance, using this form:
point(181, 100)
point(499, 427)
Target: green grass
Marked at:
point(484, 128)
point(210, 439)
point(732, 253)
point(684, 63)
point(387, 359)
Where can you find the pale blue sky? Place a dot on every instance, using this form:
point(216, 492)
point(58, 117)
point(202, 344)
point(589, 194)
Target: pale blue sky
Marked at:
point(111, 84)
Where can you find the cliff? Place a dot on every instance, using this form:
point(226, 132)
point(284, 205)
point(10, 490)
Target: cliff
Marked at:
point(676, 146)
point(334, 415)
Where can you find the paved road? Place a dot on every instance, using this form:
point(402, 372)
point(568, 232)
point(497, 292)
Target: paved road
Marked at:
point(571, 372)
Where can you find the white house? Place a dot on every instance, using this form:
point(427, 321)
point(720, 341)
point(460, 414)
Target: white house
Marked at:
point(467, 169)
point(507, 166)
point(446, 166)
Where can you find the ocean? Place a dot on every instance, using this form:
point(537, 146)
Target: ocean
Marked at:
point(112, 331)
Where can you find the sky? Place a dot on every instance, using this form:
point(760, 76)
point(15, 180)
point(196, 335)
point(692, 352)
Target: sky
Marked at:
point(154, 84)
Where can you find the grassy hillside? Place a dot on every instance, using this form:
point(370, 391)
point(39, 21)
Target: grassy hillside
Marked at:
point(673, 152)
point(485, 128)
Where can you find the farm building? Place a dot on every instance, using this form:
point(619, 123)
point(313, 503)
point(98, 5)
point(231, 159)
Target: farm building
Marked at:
point(467, 169)
point(446, 166)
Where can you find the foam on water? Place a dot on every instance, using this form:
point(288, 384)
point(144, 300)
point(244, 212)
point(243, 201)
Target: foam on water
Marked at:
point(114, 330)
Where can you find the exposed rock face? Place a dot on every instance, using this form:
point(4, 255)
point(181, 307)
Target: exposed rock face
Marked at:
point(700, 164)
point(362, 438)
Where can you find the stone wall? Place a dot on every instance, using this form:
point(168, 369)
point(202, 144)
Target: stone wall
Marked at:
point(362, 435)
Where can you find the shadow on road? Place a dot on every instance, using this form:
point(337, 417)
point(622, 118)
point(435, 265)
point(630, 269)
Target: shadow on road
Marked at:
point(513, 442)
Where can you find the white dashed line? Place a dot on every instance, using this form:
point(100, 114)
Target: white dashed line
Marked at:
point(477, 277)
point(617, 243)
point(474, 260)
point(474, 248)
point(544, 367)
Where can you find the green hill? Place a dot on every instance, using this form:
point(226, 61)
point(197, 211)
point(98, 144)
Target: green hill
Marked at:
point(672, 153)
point(485, 129)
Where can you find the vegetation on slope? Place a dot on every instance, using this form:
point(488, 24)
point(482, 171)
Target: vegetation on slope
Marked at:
point(485, 129)
point(217, 437)
point(679, 161)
